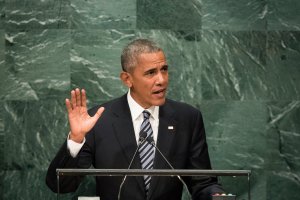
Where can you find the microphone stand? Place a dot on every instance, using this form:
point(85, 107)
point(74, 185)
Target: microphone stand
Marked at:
point(142, 139)
point(151, 141)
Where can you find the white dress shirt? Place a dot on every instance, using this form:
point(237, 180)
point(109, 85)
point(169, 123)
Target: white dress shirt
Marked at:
point(137, 118)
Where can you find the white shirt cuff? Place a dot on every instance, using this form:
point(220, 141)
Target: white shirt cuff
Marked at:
point(74, 147)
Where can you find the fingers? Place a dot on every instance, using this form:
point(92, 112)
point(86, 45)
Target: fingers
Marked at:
point(78, 98)
point(83, 98)
point(68, 105)
point(73, 99)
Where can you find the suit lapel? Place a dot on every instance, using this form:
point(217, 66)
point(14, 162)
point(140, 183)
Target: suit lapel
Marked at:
point(124, 132)
point(166, 135)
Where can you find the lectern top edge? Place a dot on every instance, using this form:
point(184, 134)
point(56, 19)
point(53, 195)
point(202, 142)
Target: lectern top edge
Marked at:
point(153, 172)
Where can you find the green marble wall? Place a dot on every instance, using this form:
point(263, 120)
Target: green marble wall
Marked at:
point(238, 61)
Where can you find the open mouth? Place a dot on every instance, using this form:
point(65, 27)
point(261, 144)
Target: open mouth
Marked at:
point(159, 91)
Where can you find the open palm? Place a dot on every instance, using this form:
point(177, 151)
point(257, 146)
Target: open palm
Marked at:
point(79, 119)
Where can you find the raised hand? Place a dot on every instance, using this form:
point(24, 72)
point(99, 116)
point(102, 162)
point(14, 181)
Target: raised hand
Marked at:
point(79, 119)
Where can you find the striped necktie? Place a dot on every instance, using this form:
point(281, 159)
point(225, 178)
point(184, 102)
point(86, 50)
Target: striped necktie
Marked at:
point(146, 150)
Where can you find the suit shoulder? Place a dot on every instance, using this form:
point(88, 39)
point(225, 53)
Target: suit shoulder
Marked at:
point(182, 107)
point(107, 105)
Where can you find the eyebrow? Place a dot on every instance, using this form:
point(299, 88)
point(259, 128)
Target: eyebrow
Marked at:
point(154, 68)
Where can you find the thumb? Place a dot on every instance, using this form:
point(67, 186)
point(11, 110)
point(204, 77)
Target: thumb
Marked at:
point(98, 113)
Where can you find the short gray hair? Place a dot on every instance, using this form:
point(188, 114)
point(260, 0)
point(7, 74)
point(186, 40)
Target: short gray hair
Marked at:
point(131, 52)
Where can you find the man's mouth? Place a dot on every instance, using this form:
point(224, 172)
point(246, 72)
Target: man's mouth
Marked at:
point(161, 91)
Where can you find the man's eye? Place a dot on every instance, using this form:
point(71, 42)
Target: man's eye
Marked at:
point(165, 68)
point(150, 73)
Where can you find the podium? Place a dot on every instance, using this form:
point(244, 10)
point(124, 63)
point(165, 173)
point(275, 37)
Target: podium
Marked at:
point(151, 172)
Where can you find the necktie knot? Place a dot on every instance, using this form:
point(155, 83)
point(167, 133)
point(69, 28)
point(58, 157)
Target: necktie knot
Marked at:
point(146, 114)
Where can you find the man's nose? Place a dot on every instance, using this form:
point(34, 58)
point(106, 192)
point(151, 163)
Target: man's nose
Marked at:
point(161, 78)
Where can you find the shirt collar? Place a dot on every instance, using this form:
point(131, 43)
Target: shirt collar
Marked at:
point(136, 109)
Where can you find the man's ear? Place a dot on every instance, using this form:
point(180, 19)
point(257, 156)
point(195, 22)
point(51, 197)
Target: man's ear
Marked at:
point(126, 79)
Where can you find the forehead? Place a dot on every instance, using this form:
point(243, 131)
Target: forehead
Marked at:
point(151, 59)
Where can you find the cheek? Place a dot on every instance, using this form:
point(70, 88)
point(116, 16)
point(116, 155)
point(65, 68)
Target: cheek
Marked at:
point(167, 78)
point(148, 85)
point(144, 89)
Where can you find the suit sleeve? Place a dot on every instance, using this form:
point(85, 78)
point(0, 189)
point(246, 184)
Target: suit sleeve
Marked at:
point(64, 160)
point(201, 187)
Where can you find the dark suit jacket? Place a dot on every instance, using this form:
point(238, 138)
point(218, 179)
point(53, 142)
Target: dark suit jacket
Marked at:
point(111, 144)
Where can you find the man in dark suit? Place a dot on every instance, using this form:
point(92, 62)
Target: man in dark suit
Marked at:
point(110, 138)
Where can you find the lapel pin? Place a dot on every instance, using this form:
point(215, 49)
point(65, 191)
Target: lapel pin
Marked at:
point(170, 127)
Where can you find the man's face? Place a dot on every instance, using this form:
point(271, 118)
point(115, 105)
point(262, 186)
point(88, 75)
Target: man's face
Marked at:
point(149, 79)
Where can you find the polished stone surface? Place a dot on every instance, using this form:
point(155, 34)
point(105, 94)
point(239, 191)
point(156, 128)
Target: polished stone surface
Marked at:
point(103, 14)
point(237, 61)
point(95, 62)
point(37, 64)
point(2, 13)
point(283, 170)
point(234, 15)
point(233, 65)
point(169, 14)
point(283, 15)
point(228, 125)
point(2, 63)
point(37, 14)
point(2, 150)
point(283, 58)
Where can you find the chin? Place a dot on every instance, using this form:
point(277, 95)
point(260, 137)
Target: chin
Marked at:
point(159, 102)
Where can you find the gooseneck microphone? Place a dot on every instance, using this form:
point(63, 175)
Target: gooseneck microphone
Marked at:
point(142, 139)
point(151, 141)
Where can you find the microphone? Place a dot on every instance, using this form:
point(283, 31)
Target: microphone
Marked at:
point(151, 141)
point(142, 139)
